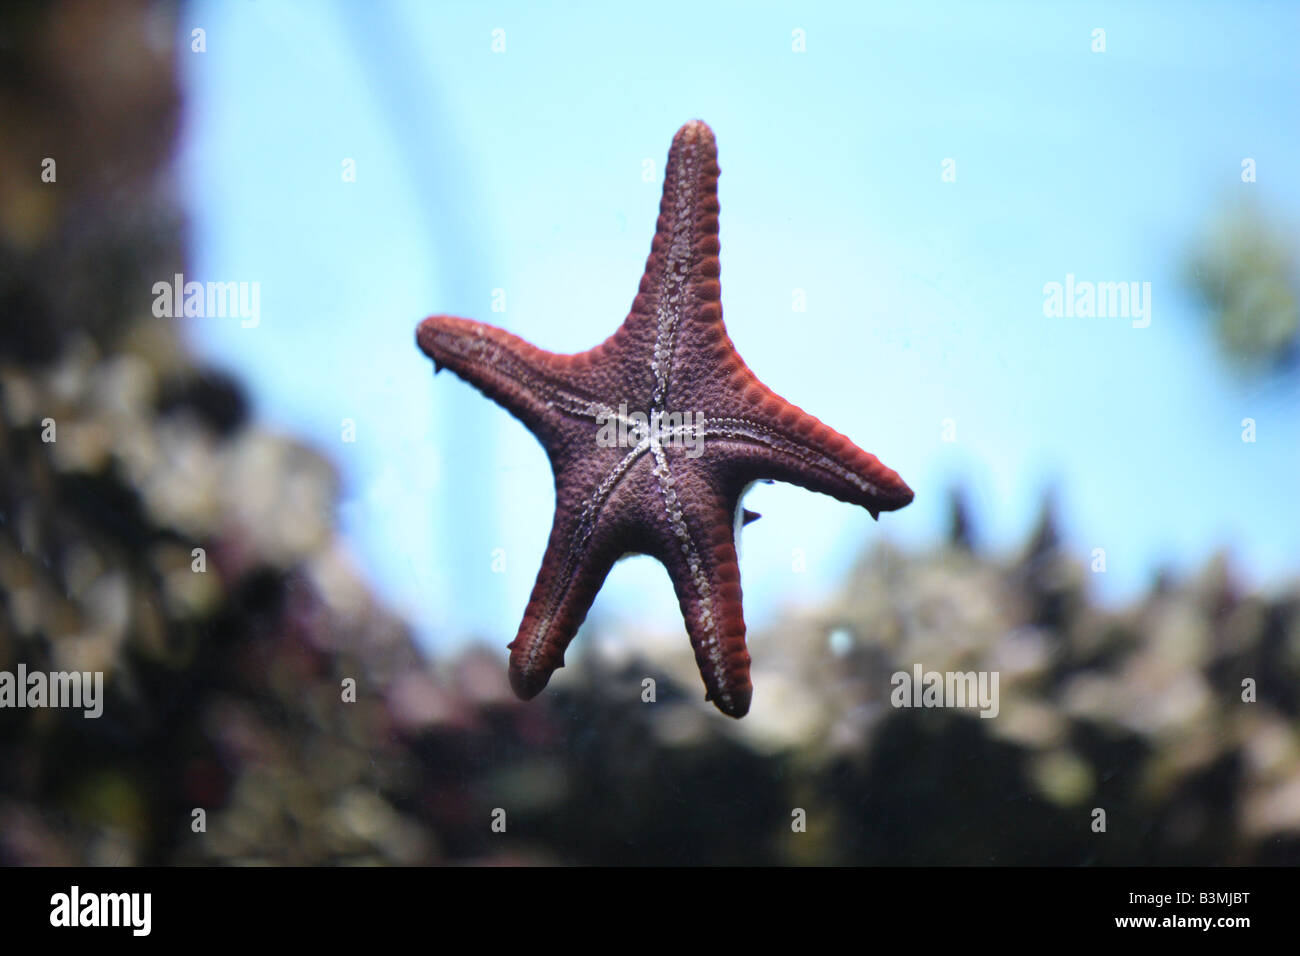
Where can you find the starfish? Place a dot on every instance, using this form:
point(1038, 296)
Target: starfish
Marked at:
point(654, 436)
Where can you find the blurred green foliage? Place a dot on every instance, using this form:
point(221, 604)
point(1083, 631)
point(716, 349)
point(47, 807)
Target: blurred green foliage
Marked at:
point(1244, 271)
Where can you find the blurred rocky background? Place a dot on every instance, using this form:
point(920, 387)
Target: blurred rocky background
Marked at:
point(225, 667)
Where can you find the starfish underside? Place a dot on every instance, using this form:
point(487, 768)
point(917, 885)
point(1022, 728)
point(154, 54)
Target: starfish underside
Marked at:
point(696, 428)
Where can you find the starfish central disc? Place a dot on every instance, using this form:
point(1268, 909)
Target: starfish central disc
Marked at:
point(653, 436)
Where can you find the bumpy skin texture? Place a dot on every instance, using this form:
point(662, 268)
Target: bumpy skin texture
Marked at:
point(670, 494)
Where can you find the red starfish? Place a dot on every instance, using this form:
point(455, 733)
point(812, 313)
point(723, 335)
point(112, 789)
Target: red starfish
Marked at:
point(666, 478)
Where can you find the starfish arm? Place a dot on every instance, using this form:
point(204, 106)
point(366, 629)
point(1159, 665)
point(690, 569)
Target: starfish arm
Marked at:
point(530, 383)
point(566, 586)
point(582, 548)
point(679, 287)
point(698, 549)
point(785, 443)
